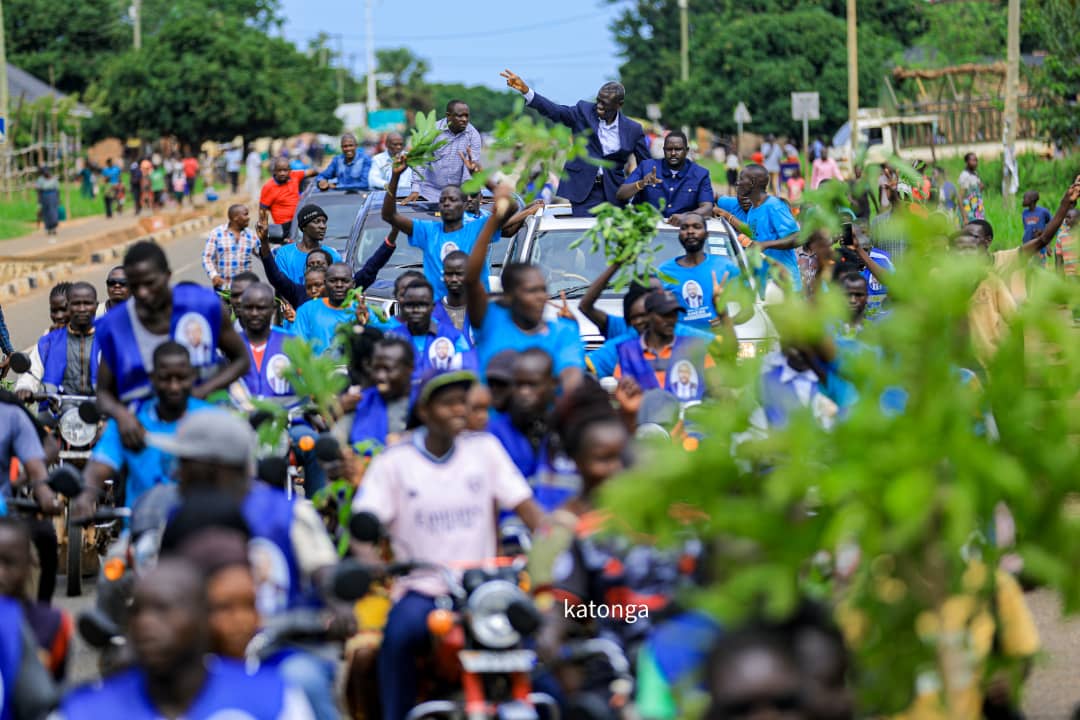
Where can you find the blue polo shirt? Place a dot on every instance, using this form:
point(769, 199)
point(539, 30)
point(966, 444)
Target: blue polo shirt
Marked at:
point(771, 220)
point(498, 332)
point(694, 286)
point(147, 467)
point(681, 191)
point(291, 260)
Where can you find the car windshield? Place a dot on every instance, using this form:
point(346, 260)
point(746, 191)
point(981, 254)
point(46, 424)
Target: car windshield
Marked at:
point(341, 212)
point(572, 270)
point(374, 231)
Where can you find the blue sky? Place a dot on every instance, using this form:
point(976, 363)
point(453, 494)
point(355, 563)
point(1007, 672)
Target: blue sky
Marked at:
point(562, 47)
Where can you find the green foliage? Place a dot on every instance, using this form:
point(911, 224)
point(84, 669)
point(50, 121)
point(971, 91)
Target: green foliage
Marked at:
point(625, 235)
point(407, 88)
point(757, 52)
point(423, 140)
point(314, 376)
point(1057, 83)
point(66, 42)
point(949, 39)
point(210, 75)
point(914, 492)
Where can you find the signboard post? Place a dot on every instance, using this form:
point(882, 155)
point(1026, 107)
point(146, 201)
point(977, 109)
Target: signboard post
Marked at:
point(805, 106)
point(742, 117)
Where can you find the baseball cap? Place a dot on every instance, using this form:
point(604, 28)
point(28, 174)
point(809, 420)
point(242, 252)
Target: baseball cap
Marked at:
point(211, 435)
point(663, 302)
point(436, 380)
point(501, 365)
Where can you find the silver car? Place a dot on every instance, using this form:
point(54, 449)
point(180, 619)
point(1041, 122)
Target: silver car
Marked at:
point(545, 241)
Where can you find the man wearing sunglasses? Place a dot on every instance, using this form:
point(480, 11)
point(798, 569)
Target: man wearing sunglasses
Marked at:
point(116, 291)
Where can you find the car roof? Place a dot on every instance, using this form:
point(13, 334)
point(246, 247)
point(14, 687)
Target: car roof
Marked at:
point(563, 222)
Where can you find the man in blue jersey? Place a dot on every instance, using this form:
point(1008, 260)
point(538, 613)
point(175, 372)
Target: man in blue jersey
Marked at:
point(349, 169)
point(383, 411)
point(436, 345)
point(525, 432)
point(317, 321)
point(66, 353)
point(127, 336)
point(266, 376)
point(291, 259)
point(771, 222)
point(172, 379)
point(451, 307)
point(690, 276)
point(173, 676)
point(436, 238)
point(675, 185)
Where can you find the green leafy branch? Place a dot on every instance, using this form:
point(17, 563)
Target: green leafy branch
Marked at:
point(314, 376)
point(625, 235)
point(423, 140)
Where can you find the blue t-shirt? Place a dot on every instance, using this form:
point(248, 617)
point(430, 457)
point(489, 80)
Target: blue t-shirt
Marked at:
point(147, 467)
point(771, 220)
point(616, 327)
point(1035, 221)
point(603, 360)
point(693, 286)
point(317, 322)
point(292, 260)
point(680, 192)
point(435, 244)
point(561, 340)
point(876, 292)
point(112, 174)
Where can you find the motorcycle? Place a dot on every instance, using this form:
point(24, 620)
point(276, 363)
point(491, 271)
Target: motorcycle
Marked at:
point(479, 629)
point(78, 426)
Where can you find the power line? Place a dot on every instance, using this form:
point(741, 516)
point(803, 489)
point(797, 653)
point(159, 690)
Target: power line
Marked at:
point(474, 33)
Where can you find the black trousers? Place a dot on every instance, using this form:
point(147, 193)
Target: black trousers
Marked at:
point(594, 198)
point(43, 535)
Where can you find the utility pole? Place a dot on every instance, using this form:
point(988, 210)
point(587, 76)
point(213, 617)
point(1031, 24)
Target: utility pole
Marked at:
point(1009, 178)
point(5, 155)
point(684, 49)
point(369, 51)
point(136, 17)
point(853, 78)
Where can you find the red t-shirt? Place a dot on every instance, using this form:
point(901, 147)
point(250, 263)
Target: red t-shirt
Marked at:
point(191, 167)
point(281, 200)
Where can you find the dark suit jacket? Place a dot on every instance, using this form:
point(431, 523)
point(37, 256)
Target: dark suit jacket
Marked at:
point(578, 175)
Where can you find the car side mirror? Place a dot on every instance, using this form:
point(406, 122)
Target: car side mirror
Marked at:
point(275, 234)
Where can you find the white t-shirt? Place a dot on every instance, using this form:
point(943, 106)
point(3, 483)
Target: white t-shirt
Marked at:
point(441, 510)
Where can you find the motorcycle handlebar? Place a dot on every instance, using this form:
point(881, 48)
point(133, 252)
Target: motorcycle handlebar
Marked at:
point(102, 516)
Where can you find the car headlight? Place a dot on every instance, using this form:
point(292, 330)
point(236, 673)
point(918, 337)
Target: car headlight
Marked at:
point(747, 350)
point(487, 614)
point(74, 430)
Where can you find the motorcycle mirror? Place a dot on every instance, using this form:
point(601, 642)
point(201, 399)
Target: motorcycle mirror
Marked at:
point(89, 413)
point(523, 617)
point(351, 581)
point(273, 471)
point(472, 579)
point(257, 418)
point(327, 449)
point(20, 362)
point(65, 480)
point(365, 527)
point(97, 629)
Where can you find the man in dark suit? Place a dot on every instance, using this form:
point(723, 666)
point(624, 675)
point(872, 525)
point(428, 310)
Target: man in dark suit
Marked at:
point(612, 137)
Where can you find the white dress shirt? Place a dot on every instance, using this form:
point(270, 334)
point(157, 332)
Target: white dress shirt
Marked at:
point(382, 168)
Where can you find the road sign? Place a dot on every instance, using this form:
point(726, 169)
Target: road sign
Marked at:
point(3, 129)
point(652, 111)
point(742, 115)
point(804, 106)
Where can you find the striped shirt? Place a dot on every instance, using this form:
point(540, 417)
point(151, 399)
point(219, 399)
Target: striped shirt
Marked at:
point(227, 255)
point(447, 168)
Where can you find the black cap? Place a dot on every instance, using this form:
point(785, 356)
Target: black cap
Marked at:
point(308, 213)
point(663, 302)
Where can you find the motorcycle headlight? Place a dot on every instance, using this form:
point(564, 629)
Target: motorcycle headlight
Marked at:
point(487, 614)
point(74, 430)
